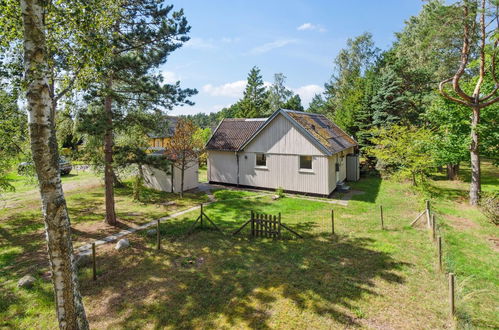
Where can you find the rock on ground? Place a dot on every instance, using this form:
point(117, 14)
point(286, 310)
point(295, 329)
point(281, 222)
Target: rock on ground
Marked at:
point(122, 244)
point(83, 258)
point(26, 281)
point(151, 232)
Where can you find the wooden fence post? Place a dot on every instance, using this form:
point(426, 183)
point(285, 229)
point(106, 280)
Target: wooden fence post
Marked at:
point(279, 228)
point(439, 242)
point(158, 238)
point(428, 212)
point(252, 224)
point(201, 215)
point(452, 296)
point(433, 227)
point(94, 263)
point(332, 221)
point(381, 215)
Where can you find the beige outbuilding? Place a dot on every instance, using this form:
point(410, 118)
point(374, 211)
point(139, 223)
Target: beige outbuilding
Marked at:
point(293, 150)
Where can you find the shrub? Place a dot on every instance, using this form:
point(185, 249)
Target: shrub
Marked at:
point(489, 205)
point(280, 192)
point(138, 187)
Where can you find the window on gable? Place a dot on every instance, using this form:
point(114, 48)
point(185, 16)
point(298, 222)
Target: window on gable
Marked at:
point(261, 160)
point(305, 162)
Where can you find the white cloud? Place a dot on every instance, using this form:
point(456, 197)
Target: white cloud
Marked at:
point(307, 92)
point(311, 27)
point(170, 77)
point(229, 40)
point(200, 43)
point(272, 45)
point(232, 89)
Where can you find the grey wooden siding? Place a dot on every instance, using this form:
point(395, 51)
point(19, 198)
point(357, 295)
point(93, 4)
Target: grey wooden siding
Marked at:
point(160, 180)
point(283, 171)
point(281, 137)
point(222, 166)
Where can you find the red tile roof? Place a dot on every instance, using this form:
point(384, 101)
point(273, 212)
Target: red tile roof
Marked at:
point(231, 134)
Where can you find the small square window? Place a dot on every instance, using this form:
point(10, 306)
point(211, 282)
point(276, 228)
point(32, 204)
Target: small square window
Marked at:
point(305, 162)
point(261, 160)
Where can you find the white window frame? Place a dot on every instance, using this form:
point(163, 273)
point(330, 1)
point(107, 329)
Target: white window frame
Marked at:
point(306, 170)
point(256, 160)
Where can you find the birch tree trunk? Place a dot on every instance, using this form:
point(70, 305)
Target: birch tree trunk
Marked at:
point(108, 160)
point(69, 306)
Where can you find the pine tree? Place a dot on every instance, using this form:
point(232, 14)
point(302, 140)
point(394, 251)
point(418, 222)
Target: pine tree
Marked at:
point(254, 102)
point(141, 39)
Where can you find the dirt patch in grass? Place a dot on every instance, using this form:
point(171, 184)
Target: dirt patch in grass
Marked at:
point(494, 242)
point(460, 223)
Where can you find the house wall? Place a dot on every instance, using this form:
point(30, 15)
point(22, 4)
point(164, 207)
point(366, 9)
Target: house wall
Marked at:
point(283, 144)
point(222, 167)
point(342, 175)
point(283, 171)
point(331, 173)
point(158, 179)
point(281, 137)
point(158, 142)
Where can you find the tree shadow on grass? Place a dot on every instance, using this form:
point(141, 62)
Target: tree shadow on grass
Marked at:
point(369, 185)
point(238, 280)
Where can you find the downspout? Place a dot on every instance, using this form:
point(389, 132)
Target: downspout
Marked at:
point(237, 160)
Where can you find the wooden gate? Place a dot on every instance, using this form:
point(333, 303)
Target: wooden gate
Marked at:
point(266, 225)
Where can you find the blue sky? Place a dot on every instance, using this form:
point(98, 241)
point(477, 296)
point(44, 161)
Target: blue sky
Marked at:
point(296, 37)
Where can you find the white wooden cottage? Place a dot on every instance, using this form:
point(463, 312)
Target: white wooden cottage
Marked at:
point(297, 151)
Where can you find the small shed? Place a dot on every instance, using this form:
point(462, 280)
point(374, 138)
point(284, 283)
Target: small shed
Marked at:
point(171, 181)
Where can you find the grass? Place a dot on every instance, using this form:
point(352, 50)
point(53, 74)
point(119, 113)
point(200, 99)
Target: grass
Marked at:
point(361, 277)
point(471, 245)
point(203, 174)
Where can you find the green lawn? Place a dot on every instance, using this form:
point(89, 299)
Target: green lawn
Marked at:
point(361, 277)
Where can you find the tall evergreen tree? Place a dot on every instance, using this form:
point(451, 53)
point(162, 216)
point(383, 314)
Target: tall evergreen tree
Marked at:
point(141, 39)
point(389, 102)
point(278, 94)
point(317, 104)
point(254, 102)
point(344, 92)
point(294, 103)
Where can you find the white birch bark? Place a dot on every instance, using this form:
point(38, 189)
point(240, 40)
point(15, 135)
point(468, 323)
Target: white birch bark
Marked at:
point(69, 306)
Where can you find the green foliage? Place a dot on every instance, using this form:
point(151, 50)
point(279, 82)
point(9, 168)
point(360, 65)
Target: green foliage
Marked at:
point(204, 120)
point(404, 151)
point(280, 192)
point(13, 136)
point(489, 204)
point(137, 187)
point(450, 123)
point(254, 102)
point(317, 104)
point(389, 102)
point(278, 94)
point(294, 103)
point(345, 92)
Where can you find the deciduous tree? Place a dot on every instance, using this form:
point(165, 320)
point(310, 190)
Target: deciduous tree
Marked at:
point(183, 148)
point(69, 306)
point(484, 16)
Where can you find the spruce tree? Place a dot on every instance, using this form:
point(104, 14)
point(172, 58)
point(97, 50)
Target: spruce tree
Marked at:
point(254, 102)
point(317, 105)
point(294, 103)
point(389, 101)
